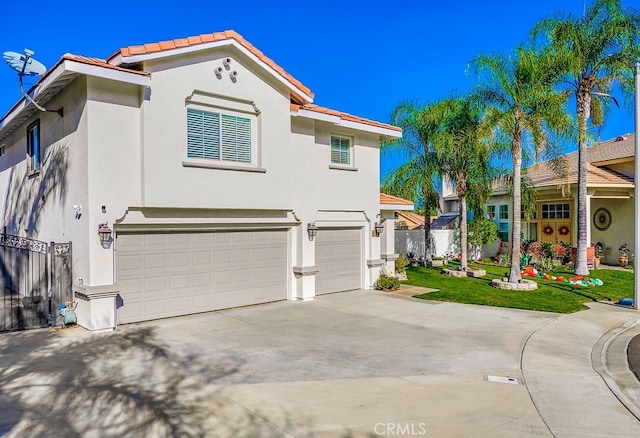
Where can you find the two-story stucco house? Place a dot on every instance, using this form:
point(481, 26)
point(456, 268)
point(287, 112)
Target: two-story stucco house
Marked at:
point(610, 209)
point(212, 168)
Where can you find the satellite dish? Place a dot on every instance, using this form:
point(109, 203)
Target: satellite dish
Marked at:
point(26, 65)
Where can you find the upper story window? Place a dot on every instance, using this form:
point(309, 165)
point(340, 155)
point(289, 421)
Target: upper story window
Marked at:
point(341, 151)
point(218, 136)
point(556, 211)
point(491, 212)
point(33, 145)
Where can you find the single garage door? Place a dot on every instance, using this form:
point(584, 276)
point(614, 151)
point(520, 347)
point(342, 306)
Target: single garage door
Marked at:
point(338, 260)
point(172, 274)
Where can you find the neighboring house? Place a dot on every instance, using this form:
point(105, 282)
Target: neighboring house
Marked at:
point(408, 220)
point(390, 208)
point(610, 205)
point(211, 166)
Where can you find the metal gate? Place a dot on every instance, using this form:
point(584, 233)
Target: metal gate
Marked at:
point(35, 277)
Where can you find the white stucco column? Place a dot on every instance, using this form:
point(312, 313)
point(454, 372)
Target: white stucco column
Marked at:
point(304, 265)
point(588, 206)
point(387, 241)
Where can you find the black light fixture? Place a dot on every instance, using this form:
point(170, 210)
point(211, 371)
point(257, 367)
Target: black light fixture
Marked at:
point(312, 231)
point(104, 232)
point(379, 228)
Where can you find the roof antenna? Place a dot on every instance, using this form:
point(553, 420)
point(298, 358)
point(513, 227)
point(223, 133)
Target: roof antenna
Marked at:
point(26, 65)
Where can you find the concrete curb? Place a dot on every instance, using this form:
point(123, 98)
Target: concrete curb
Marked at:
point(609, 360)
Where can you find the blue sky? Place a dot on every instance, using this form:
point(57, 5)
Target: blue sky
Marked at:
point(361, 57)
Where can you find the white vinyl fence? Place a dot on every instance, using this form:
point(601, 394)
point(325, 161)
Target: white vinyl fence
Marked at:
point(412, 242)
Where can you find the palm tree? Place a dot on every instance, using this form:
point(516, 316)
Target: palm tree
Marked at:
point(598, 52)
point(522, 107)
point(463, 149)
point(415, 178)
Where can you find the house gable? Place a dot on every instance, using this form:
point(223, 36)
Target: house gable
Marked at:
point(133, 55)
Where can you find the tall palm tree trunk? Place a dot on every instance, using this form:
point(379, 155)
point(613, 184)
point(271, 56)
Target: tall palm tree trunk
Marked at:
point(583, 104)
point(463, 232)
point(427, 230)
point(516, 153)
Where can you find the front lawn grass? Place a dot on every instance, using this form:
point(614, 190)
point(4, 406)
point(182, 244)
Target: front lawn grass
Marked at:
point(551, 296)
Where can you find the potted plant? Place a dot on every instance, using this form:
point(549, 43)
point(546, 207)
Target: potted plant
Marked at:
point(624, 255)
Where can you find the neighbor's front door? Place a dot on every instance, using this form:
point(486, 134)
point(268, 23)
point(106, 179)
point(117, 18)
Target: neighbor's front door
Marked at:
point(555, 231)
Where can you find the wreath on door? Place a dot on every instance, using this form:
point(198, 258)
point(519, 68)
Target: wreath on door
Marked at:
point(548, 231)
point(563, 230)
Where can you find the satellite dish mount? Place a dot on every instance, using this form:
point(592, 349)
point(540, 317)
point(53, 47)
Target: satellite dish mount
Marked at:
point(26, 65)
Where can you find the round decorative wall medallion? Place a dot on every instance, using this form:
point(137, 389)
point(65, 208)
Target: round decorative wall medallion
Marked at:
point(602, 219)
point(548, 231)
point(563, 230)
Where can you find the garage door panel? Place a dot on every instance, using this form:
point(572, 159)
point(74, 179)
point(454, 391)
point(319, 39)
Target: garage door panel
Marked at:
point(201, 258)
point(130, 263)
point(180, 281)
point(180, 304)
point(202, 300)
point(164, 275)
point(180, 259)
point(338, 260)
point(201, 279)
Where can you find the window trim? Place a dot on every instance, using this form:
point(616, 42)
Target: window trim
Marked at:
point(34, 166)
point(340, 165)
point(219, 163)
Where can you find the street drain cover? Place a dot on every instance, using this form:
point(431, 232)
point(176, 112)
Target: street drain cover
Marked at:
point(502, 379)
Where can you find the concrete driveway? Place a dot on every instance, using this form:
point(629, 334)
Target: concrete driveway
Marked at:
point(360, 363)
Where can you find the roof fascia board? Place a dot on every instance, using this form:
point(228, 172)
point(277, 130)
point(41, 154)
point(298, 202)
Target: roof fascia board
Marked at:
point(106, 73)
point(614, 161)
point(39, 88)
point(397, 207)
point(119, 59)
point(335, 120)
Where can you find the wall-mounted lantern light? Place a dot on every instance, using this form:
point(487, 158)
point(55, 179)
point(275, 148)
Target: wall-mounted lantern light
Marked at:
point(312, 230)
point(104, 232)
point(379, 228)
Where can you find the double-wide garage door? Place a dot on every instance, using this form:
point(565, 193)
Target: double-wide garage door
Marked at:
point(172, 274)
point(338, 260)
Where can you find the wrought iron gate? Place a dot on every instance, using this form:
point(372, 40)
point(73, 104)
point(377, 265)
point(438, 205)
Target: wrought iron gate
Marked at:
point(35, 277)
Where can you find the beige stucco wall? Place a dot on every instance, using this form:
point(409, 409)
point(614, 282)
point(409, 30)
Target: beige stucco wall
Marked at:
point(114, 165)
point(123, 147)
point(62, 180)
point(620, 231)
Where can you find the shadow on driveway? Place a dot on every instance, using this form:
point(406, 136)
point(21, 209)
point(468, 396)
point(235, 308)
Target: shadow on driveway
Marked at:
point(70, 383)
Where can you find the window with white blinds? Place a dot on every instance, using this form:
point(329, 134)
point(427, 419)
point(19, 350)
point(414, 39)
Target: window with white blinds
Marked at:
point(340, 151)
point(216, 136)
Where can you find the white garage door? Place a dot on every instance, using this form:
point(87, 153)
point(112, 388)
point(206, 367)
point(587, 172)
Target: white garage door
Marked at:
point(338, 260)
point(174, 274)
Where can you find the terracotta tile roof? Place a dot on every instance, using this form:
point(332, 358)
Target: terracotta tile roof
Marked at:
point(393, 200)
point(343, 116)
point(210, 38)
point(100, 63)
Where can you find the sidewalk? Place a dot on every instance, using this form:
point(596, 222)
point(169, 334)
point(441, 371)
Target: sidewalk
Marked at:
point(576, 370)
